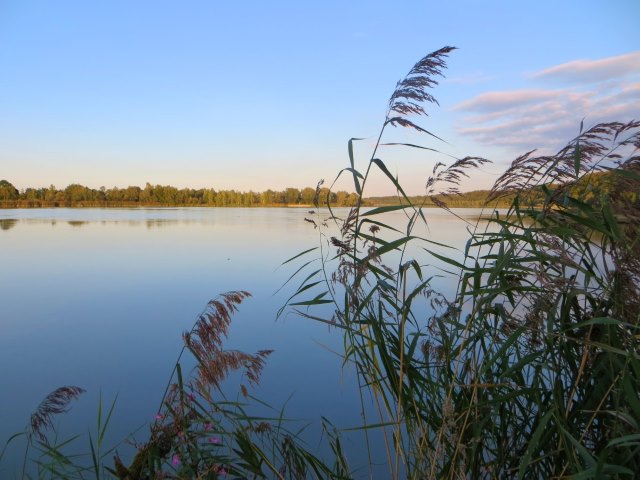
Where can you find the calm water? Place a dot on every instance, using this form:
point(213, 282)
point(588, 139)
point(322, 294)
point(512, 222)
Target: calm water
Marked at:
point(99, 298)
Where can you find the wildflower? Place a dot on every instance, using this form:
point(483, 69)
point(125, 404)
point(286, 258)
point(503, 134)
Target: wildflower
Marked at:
point(216, 440)
point(175, 460)
point(208, 426)
point(220, 470)
point(158, 416)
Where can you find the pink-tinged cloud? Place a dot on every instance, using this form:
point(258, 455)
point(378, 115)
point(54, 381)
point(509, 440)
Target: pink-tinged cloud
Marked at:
point(499, 101)
point(547, 119)
point(589, 71)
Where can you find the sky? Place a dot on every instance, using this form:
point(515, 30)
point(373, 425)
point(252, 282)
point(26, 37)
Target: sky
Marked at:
point(251, 95)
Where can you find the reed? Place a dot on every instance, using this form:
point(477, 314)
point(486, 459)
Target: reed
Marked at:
point(532, 369)
point(202, 432)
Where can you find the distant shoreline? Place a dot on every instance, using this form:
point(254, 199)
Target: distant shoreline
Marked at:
point(11, 205)
point(4, 206)
point(80, 196)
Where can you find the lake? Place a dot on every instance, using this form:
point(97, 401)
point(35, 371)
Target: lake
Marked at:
point(99, 298)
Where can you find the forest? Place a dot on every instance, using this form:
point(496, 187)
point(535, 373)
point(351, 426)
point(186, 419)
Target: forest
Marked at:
point(76, 195)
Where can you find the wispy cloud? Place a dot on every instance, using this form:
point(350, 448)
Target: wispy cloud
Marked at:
point(587, 71)
point(498, 101)
point(546, 118)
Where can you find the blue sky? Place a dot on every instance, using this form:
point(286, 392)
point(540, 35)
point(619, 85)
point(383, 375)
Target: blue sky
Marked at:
point(257, 95)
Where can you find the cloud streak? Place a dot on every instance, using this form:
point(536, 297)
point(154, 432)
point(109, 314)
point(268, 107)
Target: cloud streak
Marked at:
point(546, 118)
point(492, 101)
point(589, 71)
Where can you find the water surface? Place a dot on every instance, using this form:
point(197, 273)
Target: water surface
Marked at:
point(99, 298)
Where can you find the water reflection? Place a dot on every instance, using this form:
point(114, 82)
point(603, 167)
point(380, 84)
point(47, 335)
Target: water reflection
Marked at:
point(103, 307)
point(7, 223)
point(76, 223)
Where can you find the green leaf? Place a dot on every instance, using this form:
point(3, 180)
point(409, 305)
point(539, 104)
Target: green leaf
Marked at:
point(576, 157)
point(393, 179)
point(533, 444)
point(448, 260)
point(389, 208)
point(587, 458)
point(299, 255)
point(353, 170)
point(412, 145)
point(633, 439)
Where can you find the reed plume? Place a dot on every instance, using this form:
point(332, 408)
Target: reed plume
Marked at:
point(53, 404)
point(597, 149)
point(411, 92)
point(451, 175)
point(204, 341)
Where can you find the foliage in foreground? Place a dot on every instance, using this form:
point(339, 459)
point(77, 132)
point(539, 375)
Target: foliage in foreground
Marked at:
point(532, 369)
point(198, 432)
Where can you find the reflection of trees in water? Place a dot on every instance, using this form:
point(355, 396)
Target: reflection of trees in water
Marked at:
point(165, 222)
point(77, 223)
point(7, 223)
point(155, 223)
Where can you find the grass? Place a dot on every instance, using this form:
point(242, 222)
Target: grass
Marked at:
point(531, 370)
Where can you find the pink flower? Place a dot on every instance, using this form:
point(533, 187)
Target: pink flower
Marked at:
point(220, 470)
point(207, 427)
point(216, 440)
point(175, 460)
point(158, 416)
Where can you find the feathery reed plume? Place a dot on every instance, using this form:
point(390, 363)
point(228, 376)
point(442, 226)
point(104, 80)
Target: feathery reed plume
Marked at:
point(407, 99)
point(205, 343)
point(411, 91)
point(452, 175)
point(54, 403)
point(316, 196)
point(189, 414)
point(588, 152)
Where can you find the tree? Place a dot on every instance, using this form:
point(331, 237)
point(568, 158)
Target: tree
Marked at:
point(292, 196)
point(308, 195)
point(8, 191)
point(76, 193)
point(267, 197)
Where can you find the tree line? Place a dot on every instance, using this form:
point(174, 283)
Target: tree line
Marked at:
point(589, 187)
point(76, 195)
point(474, 199)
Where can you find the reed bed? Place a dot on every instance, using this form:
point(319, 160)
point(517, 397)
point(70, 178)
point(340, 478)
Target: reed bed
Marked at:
point(532, 369)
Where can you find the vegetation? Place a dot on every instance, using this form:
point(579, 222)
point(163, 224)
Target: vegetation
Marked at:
point(532, 369)
point(76, 195)
point(473, 199)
